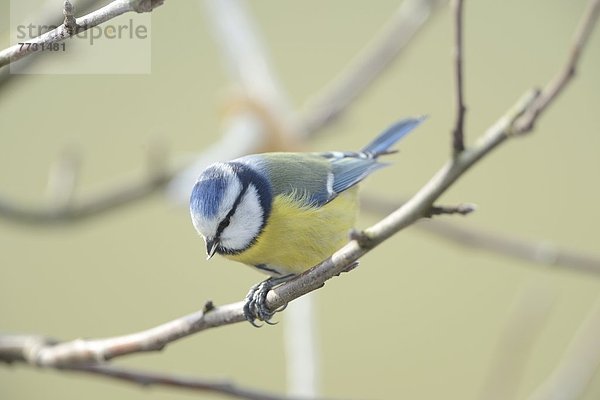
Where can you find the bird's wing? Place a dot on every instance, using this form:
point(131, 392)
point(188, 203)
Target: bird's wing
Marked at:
point(349, 168)
point(303, 176)
point(313, 179)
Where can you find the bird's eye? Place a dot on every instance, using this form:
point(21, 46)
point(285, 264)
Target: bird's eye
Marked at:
point(227, 220)
point(224, 223)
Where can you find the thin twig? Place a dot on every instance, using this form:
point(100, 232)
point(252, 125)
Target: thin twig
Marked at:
point(461, 209)
point(146, 379)
point(45, 16)
point(69, 21)
point(556, 86)
point(106, 13)
point(370, 63)
point(458, 142)
point(538, 252)
point(13, 348)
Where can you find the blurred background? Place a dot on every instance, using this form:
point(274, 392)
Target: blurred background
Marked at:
point(421, 317)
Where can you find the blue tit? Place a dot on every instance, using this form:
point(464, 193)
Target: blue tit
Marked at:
point(283, 213)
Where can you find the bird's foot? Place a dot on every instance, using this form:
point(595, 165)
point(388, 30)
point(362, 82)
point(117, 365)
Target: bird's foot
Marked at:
point(255, 307)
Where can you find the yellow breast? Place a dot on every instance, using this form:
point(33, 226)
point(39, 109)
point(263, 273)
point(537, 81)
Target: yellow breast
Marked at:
point(297, 238)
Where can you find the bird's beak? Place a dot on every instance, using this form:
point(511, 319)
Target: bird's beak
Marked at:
point(211, 247)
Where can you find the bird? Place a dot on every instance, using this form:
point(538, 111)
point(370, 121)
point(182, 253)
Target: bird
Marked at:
point(284, 212)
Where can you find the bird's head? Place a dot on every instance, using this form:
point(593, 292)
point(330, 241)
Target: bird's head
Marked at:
point(229, 205)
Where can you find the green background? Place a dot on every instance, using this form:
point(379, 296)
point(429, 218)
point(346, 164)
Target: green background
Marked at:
point(420, 318)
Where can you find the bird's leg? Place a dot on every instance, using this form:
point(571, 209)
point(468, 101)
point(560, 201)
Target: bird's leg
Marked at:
point(255, 304)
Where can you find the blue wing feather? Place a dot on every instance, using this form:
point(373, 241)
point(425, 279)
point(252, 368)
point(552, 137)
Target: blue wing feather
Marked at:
point(381, 144)
point(349, 168)
point(349, 171)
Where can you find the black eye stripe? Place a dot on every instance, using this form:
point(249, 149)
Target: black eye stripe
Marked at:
point(247, 176)
point(227, 220)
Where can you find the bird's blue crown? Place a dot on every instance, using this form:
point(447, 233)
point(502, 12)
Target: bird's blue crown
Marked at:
point(209, 191)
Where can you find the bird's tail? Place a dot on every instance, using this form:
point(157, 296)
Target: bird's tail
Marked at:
point(382, 143)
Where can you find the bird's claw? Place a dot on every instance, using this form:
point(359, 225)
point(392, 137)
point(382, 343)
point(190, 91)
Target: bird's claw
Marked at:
point(255, 307)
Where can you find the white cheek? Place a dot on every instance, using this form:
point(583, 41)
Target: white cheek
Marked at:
point(205, 227)
point(245, 223)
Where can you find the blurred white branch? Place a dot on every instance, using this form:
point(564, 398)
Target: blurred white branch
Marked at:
point(247, 60)
point(63, 178)
point(522, 328)
point(368, 65)
point(64, 31)
point(538, 252)
point(301, 347)
point(78, 210)
point(262, 117)
point(580, 362)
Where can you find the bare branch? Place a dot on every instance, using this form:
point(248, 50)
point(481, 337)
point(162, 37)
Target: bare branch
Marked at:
point(154, 339)
point(461, 209)
point(108, 12)
point(538, 252)
point(509, 246)
point(96, 204)
point(89, 351)
point(47, 353)
point(49, 16)
point(526, 123)
point(458, 142)
point(146, 378)
point(14, 348)
point(327, 106)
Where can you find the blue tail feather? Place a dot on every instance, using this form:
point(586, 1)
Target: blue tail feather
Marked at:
point(381, 144)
